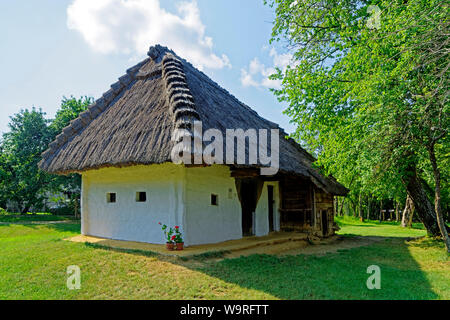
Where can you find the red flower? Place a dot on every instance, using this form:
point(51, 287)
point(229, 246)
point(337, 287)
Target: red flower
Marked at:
point(159, 223)
point(173, 237)
point(177, 227)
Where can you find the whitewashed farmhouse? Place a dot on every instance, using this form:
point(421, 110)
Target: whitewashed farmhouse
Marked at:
point(122, 148)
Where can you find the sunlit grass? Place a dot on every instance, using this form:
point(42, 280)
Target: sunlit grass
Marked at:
point(353, 226)
point(34, 259)
point(31, 217)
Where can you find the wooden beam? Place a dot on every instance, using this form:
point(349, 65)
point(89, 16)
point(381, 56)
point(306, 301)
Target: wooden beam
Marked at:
point(244, 173)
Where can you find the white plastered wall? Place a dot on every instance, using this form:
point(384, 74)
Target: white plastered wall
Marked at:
point(205, 223)
point(127, 219)
point(175, 196)
point(261, 222)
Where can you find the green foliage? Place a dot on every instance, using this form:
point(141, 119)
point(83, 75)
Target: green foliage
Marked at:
point(168, 233)
point(69, 185)
point(21, 182)
point(178, 235)
point(367, 101)
point(69, 110)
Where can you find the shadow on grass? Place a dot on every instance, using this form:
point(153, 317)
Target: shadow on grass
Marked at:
point(429, 242)
point(340, 275)
point(148, 253)
point(144, 253)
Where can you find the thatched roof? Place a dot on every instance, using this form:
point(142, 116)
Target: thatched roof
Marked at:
point(133, 122)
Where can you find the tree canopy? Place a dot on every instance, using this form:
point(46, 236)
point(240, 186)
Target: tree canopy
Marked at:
point(21, 181)
point(22, 146)
point(367, 89)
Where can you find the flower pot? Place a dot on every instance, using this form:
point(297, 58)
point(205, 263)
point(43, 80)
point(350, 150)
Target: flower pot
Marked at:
point(170, 246)
point(180, 246)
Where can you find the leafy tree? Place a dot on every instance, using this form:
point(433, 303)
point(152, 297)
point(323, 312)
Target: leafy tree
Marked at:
point(365, 97)
point(22, 182)
point(70, 109)
point(3, 176)
point(69, 185)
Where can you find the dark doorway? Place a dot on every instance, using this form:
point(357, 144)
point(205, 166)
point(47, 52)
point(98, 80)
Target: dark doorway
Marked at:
point(248, 203)
point(324, 223)
point(271, 205)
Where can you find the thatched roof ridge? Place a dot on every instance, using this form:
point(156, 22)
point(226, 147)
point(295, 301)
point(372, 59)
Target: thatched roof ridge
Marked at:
point(134, 122)
point(181, 101)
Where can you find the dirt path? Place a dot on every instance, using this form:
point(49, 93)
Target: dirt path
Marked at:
point(304, 247)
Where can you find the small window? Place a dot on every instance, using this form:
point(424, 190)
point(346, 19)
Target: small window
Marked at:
point(214, 200)
point(141, 196)
point(111, 198)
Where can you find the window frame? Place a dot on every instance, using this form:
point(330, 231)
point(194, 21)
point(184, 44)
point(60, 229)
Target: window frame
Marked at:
point(138, 196)
point(111, 197)
point(215, 197)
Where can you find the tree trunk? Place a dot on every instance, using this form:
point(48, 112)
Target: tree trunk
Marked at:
point(353, 203)
point(341, 210)
point(397, 215)
point(368, 207)
point(360, 209)
point(76, 208)
point(381, 211)
point(408, 213)
point(411, 216)
point(422, 204)
point(335, 206)
point(437, 197)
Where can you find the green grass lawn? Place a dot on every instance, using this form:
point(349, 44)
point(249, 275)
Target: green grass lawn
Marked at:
point(353, 226)
point(32, 217)
point(34, 258)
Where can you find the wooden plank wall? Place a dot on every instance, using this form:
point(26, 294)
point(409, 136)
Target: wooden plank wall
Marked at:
point(324, 202)
point(302, 206)
point(296, 204)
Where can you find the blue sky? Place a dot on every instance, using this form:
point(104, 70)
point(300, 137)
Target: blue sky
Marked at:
point(50, 49)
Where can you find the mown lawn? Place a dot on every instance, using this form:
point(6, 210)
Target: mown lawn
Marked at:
point(30, 217)
point(34, 258)
point(352, 226)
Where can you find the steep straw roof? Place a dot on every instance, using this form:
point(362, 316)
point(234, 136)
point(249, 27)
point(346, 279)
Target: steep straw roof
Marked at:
point(134, 121)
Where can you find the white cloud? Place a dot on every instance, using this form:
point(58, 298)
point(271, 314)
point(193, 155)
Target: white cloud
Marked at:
point(131, 26)
point(257, 74)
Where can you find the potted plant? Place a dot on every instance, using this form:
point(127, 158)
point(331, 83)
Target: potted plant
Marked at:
point(170, 237)
point(179, 238)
